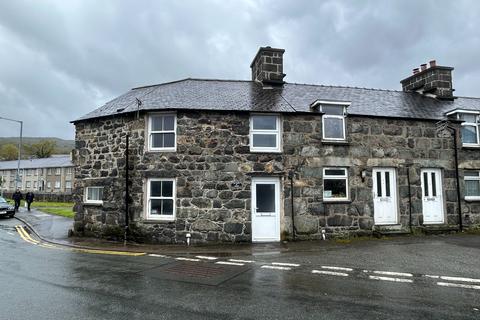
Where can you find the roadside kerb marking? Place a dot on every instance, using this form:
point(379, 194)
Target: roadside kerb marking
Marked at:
point(390, 279)
point(458, 285)
point(337, 268)
point(110, 252)
point(284, 264)
point(25, 236)
point(241, 261)
point(330, 273)
point(230, 263)
point(276, 268)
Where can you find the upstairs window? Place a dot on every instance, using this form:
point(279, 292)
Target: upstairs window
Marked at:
point(162, 132)
point(161, 199)
point(472, 185)
point(335, 184)
point(265, 133)
point(470, 132)
point(333, 122)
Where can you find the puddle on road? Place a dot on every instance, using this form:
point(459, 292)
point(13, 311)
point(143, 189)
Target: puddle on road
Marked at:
point(7, 227)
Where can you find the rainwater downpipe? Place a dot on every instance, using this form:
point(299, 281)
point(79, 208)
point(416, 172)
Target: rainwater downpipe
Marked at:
point(291, 174)
point(457, 176)
point(127, 195)
point(409, 199)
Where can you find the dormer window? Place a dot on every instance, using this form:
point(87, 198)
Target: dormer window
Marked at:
point(334, 114)
point(470, 131)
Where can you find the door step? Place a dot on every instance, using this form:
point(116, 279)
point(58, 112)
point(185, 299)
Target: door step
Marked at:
point(439, 229)
point(390, 233)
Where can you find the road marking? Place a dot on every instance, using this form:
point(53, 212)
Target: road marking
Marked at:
point(157, 255)
point(25, 236)
point(390, 273)
point(285, 264)
point(431, 276)
point(115, 253)
point(187, 259)
point(206, 258)
point(276, 268)
point(458, 285)
point(390, 279)
point(460, 279)
point(330, 273)
point(230, 263)
point(337, 268)
point(241, 261)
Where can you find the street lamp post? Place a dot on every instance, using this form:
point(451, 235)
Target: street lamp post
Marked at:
point(19, 146)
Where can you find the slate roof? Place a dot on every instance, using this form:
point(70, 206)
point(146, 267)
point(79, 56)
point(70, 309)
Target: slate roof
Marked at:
point(234, 95)
point(54, 161)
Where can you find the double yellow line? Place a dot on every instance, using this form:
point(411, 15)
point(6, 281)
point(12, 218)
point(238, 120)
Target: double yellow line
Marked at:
point(25, 236)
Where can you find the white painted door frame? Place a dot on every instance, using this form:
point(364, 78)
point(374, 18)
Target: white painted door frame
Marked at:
point(385, 199)
point(433, 207)
point(266, 222)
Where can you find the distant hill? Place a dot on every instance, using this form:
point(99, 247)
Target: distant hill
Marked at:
point(62, 146)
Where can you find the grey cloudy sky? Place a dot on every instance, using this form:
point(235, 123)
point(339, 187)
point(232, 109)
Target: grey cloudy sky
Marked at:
point(62, 59)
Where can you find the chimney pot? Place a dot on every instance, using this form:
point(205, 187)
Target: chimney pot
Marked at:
point(423, 66)
point(433, 63)
point(415, 71)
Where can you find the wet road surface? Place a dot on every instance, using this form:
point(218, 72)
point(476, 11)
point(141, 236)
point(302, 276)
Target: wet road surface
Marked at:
point(350, 282)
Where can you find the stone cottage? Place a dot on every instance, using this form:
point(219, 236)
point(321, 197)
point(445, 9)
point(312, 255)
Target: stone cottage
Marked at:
point(266, 160)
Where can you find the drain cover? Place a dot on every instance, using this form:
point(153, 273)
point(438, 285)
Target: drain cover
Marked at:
point(195, 272)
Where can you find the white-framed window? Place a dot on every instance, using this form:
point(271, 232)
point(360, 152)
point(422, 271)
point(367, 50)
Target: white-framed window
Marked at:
point(57, 184)
point(68, 184)
point(335, 184)
point(472, 184)
point(470, 129)
point(34, 184)
point(29, 172)
point(68, 170)
point(265, 133)
point(162, 130)
point(58, 171)
point(49, 185)
point(94, 195)
point(49, 171)
point(333, 122)
point(160, 199)
point(28, 184)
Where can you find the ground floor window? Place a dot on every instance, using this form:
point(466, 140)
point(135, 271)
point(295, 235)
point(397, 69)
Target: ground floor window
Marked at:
point(472, 185)
point(335, 184)
point(94, 195)
point(161, 199)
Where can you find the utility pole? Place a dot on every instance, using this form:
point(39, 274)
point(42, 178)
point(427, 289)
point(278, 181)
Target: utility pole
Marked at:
point(19, 146)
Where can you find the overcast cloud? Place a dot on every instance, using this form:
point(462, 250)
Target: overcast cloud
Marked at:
point(62, 59)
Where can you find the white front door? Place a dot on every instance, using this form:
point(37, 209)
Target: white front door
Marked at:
point(432, 196)
point(265, 209)
point(385, 196)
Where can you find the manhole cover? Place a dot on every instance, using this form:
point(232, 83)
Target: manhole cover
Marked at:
point(196, 272)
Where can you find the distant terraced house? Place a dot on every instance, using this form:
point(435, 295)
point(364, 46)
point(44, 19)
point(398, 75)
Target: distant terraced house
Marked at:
point(47, 175)
point(265, 160)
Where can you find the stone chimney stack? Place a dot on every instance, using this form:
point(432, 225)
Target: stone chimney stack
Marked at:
point(267, 66)
point(435, 81)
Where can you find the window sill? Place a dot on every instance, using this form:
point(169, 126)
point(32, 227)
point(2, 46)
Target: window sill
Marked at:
point(472, 199)
point(267, 151)
point(161, 150)
point(156, 221)
point(342, 201)
point(471, 147)
point(335, 142)
point(93, 204)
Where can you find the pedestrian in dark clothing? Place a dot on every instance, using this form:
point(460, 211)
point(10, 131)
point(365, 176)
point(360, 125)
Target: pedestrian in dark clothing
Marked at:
point(29, 198)
point(17, 196)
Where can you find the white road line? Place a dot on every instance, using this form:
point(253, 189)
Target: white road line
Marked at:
point(431, 276)
point(276, 268)
point(157, 255)
point(331, 273)
point(390, 279)
point(206, 258)
point(390, 273)
point(187, 259)
point(241, 261)
point(337, 268)
point(230, 263)
point(460, 279)
point(285, 264)
point(458, 285)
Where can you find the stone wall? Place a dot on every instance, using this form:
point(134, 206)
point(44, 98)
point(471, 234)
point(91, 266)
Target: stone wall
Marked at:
point(213, 168)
